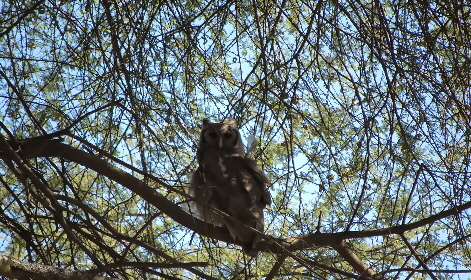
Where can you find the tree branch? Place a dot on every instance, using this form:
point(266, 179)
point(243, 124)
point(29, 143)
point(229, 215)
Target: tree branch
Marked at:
point(49, 148)
point(274, 270)
point(349, 256)
point(25, 270)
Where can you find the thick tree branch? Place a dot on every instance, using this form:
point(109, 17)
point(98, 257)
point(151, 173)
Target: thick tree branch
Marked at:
point(349, 256)
point(50, 148)
point(25, 270)
point(274, 270)
point(16, 269)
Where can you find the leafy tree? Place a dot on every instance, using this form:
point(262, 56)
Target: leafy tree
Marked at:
point(363, 112)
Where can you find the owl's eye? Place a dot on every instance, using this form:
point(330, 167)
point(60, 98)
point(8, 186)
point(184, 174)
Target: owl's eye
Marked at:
point(210, 136)
point(230, 137)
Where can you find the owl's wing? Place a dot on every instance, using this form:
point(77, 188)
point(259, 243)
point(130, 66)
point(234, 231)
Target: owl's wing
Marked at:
point(248, 196)
point(237, 186)
point(261, 178)
point(205, 197)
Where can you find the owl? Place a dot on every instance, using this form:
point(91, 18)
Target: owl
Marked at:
point(231, 182)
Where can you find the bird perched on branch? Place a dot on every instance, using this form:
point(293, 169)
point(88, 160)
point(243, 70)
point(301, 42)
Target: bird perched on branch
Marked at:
point(229, 181)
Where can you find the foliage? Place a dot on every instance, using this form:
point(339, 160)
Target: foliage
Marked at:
point(362, 110)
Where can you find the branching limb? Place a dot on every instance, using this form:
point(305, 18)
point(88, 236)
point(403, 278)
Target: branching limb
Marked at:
point(274, 270)
point(349, 256)
point(417, 257)
point(49, 148)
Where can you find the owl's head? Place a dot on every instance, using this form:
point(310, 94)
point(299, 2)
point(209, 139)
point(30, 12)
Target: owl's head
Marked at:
point(224, 136)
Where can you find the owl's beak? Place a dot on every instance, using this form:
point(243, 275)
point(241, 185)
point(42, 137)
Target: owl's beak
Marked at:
point(220, 142)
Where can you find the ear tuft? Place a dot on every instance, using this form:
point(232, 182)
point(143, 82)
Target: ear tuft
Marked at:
point(206, 121)
point(231, 122)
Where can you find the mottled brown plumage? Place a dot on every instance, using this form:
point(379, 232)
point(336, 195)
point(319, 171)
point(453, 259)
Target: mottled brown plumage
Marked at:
point(229, 181)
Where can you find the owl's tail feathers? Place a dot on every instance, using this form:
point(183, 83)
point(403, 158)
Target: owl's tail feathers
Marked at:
point(250, 251)
point(250, 248)
point(239, 232)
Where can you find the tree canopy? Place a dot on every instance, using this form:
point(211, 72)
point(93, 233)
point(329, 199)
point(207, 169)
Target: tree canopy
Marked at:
point(362, 110)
